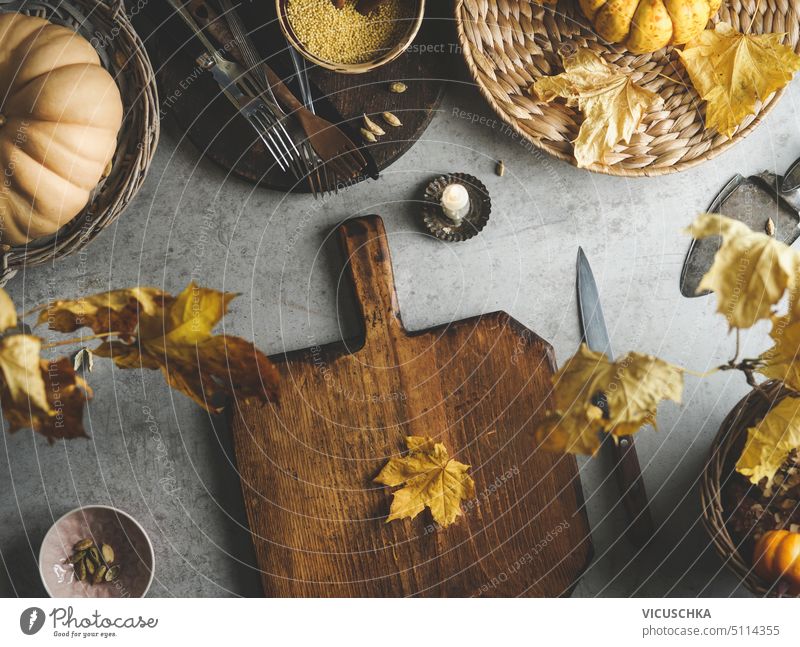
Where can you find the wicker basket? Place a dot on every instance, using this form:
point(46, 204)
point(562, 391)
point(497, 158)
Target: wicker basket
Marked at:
point(725, 451)
point(105, 24)
point(508, 45)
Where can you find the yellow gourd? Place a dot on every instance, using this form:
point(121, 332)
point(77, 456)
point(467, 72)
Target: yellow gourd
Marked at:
point(777, 557)
point(648, 25)
point(60, 113)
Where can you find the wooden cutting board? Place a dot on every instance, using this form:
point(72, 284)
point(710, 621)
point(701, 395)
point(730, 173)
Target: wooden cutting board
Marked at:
point(307, 464)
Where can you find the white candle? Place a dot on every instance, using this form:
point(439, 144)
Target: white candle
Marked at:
point(455, 202)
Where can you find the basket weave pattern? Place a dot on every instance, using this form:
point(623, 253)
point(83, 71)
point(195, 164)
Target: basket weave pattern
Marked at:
point(105, 24)
point(725, 451)
point(508, 44)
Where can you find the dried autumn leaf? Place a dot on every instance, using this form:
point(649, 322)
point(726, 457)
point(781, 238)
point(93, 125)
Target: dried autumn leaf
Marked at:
point(66, 394)
point(751, 270)
point(731, 71)
point(770, 441)
point(115, 311)
point(47, 397)
point(431, 479)
point(23, 384)
point(626, 392)
point(782, 361)
point(8, 313)
point(577, 432)
point(175, 336)
point(612, 105)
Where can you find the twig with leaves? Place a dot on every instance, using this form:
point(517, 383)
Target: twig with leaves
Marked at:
point(751, 275)
point(139, 328)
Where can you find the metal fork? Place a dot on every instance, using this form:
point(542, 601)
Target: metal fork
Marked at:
point(258, 113)
point(309, 161)
point(231, 79)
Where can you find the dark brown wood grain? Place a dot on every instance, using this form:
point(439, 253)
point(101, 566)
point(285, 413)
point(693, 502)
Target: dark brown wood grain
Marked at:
point(193, 100)
point(307, 464)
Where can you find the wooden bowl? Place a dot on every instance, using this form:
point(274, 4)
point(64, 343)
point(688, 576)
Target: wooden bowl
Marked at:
point(352, 68)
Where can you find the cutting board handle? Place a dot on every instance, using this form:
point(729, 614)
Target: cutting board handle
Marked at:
point(369, 265)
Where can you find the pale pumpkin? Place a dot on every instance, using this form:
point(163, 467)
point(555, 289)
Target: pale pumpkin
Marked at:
point(60, 112)
point(777, 558)
point(648, 25)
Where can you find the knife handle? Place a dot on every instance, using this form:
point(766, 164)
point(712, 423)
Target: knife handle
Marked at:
point(632, 490)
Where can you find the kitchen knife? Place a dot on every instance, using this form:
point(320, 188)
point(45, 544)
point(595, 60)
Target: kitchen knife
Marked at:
point(626, 462)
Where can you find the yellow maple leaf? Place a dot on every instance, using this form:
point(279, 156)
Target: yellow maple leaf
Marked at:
point(612, 105)
point(593, 394)
point(66, 394)
point(46, 396)
point(22, 375)
point(115, 311)
point(770, 441)
point(782, 361)
point(8, 313)
point(576, 432)
point(174, 335)
point(751, 271)
point(431, 479)
point(731, 71)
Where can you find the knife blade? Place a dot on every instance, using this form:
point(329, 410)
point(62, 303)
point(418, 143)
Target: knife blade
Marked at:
point(627, 471)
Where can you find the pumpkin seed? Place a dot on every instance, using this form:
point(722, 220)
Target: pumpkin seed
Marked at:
point(100, 575)
point(500, 169)
point(390, 119)
point(398, 87)
point(93, 563)
point(770, 227)
point(374, 128)
point(112, 574)
point(368, 136)
point(2, 120)
point(83, 544)
point(94, 555)
point(76, 557)
point(83, 359)
point(108, 553)
point(80, 569)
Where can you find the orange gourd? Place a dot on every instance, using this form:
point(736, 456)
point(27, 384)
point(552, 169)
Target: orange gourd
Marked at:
point(648, 25)
point(60, 112)
point(777, 557)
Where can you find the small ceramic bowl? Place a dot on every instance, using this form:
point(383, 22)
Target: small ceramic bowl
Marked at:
point(389, 55)
point(105, 525)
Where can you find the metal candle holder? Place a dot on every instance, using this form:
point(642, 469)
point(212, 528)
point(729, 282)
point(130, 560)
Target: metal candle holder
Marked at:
point(480, 206)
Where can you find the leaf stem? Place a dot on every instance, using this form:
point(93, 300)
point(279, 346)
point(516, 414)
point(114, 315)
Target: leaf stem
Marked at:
point(702, 374)
point(753, 19)
point(669, 78)
point(736, 354)
point(76, 340)
point(28, 313)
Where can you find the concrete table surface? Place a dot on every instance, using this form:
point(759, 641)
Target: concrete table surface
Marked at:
point(158, 456)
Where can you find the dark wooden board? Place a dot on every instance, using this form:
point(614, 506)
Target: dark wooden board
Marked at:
point(307, 464)
point(196, 104)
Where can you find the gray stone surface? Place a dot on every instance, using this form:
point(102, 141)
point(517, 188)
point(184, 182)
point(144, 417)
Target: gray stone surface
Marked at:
point(175, 473)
